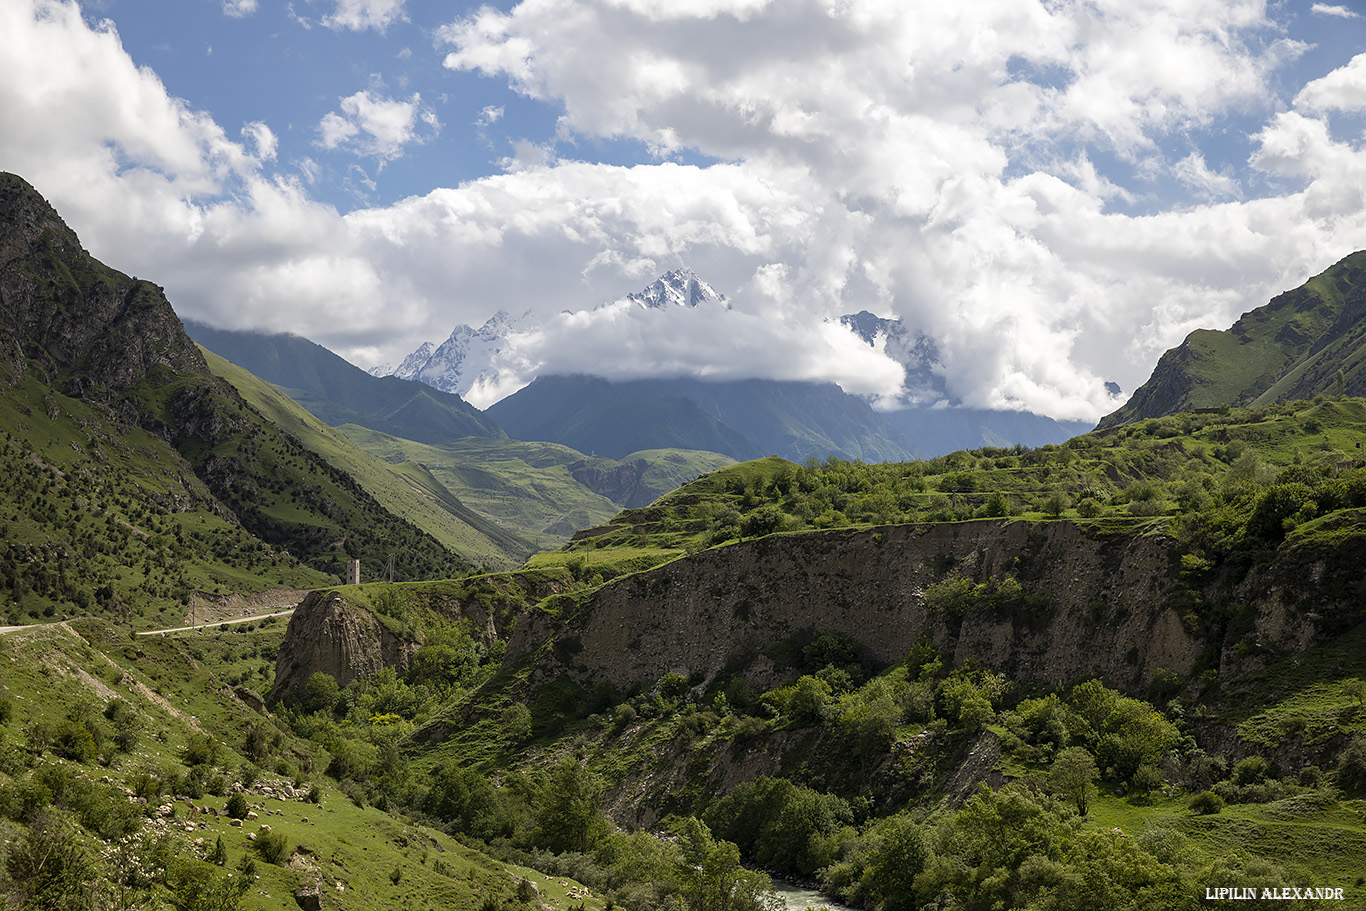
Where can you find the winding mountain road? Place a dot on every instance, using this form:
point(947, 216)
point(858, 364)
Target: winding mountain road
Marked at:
point(213, 625)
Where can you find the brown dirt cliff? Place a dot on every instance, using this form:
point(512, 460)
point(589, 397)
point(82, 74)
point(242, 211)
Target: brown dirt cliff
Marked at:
point(1102, 605)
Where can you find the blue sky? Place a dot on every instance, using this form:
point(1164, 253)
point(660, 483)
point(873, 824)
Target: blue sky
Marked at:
point(1055, 191)
point(281, 65)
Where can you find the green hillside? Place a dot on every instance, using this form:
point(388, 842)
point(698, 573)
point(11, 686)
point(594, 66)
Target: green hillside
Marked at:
point(542, 492)
point(405, 490)
point(135, 476)
point(100, 517)
point(120, 761)
point(338, 392)
point(1305, 342)
point(1235, 481)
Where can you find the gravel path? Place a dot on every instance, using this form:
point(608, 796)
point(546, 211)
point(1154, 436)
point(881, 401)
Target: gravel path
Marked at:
point(212, 625)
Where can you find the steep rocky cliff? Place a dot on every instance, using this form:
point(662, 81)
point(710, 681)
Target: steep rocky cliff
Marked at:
point(1103, 609)
point(328, 634)
point(70, 318)
point(1109, 606)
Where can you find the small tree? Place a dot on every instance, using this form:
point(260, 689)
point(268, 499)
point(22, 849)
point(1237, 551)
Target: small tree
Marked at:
point(218, 854)
point(321, 692)
point(272, 846)
point(1073, 774)
point(196, 885)
point(569, 817)
point(237, 805)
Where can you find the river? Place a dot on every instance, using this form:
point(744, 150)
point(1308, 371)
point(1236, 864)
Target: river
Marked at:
point(799, 898)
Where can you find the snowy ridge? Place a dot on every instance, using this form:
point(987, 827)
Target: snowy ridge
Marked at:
point(469, 357)
point(914, 351)
point(678, 288)
point(464, 359)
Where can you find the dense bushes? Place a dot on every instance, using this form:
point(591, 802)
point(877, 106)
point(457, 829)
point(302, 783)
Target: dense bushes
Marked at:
point(780, 825)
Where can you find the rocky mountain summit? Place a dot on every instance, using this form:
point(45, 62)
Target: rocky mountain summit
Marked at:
point(465, 359)
point(676, 288)
point(72, 321)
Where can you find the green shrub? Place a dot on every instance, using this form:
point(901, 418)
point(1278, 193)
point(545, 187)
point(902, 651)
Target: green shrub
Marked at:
point(73, 740)
point(1351, 771)
point(272, 846)
point(1206, 803)
point(237, 806)
point(1251, 770)
point(200, 749)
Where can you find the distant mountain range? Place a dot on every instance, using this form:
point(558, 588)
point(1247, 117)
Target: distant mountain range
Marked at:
point(1307, 341)
point(794, 420)
point(741, 418)
point(339, 392)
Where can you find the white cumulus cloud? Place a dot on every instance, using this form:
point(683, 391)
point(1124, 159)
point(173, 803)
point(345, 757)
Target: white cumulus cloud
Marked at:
point(374, 125)
point(1341, 12)
point(937, 162)
point(1344, 89)
point(359, 15)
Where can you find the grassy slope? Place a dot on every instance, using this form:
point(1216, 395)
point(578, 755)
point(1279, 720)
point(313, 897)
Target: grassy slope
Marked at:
point(180, 685)
point(114, 508)
point(527, 486)
point(1277, 352)
point(412, 495)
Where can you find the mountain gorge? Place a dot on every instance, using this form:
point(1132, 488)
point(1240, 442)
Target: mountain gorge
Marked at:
point(1111, 673)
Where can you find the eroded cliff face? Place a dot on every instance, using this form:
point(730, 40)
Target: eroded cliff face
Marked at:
point(331, 635)
point(1107, 612)
point(1110, 607)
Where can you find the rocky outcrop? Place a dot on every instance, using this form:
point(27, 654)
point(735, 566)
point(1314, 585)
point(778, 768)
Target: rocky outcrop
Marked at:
point(1104, 609)
point(329, 634)
point(73, 320)
point(621, 483)
point(1112, 607)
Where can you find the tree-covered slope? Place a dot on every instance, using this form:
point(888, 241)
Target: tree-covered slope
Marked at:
point(1304, 342)
point(406, 489)
point(108, 396)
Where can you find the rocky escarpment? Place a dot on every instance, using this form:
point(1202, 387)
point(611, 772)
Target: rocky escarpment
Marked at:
point(69, 318)
point(1107, 606)
point(332, 634)
point(328, 634)
point(1103, 605)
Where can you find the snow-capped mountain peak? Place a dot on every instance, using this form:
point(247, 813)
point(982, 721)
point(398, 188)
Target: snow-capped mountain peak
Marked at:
point(677, 288)
point(413, 362)
point(915, 351)
point(470, 357)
